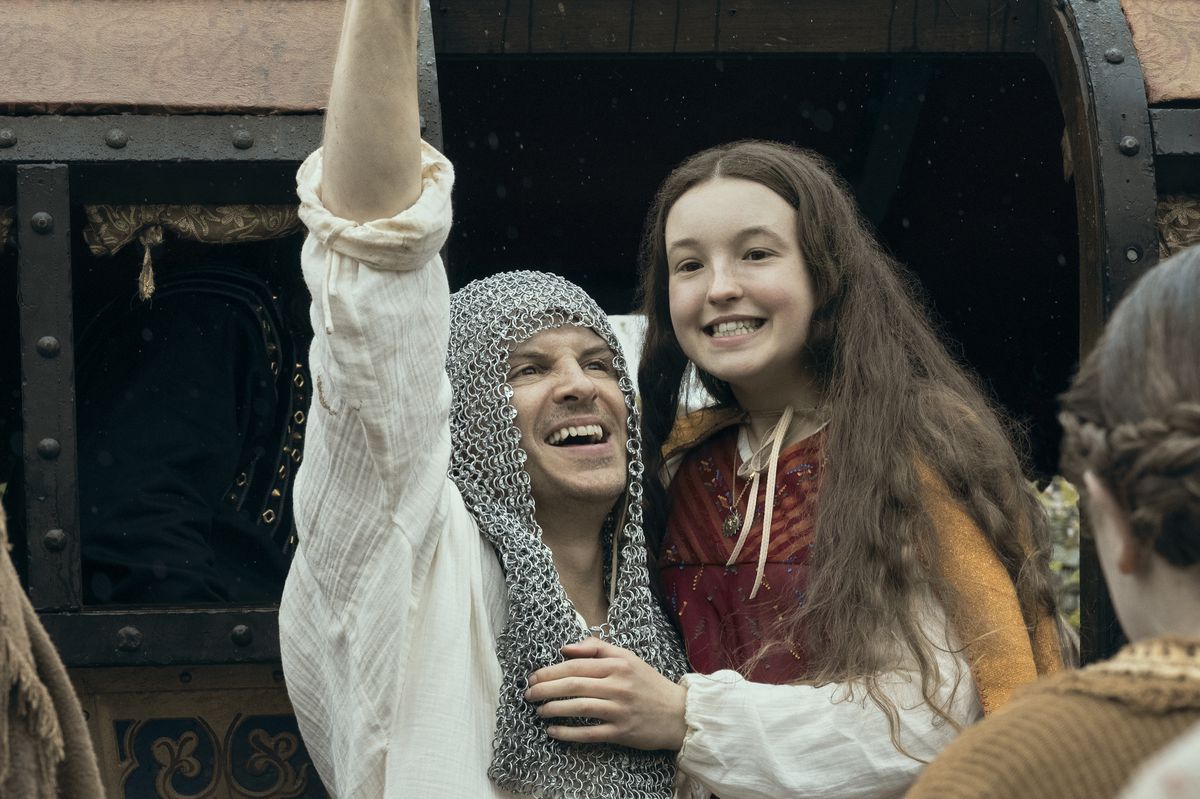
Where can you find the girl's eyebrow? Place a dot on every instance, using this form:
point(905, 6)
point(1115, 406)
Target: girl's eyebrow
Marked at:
point(745, 233)
point(759, 230)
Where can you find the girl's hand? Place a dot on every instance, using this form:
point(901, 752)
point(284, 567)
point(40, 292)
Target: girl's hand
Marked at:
point(636, 706)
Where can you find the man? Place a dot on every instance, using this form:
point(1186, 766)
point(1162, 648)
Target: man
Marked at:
point(452, 511)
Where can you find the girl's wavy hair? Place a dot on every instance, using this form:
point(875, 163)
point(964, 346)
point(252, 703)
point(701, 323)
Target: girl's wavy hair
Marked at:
point(1132, 414)
point(899, 403)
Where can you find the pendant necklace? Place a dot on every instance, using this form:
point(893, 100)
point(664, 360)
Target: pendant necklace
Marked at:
point(753, 467)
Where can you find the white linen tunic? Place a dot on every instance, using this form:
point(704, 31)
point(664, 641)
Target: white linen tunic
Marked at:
point(394, 600)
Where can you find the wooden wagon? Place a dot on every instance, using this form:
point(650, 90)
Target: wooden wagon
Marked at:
point(1027, 158)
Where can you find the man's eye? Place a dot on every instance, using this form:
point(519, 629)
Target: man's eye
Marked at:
point(523, 371)
point(600, 365)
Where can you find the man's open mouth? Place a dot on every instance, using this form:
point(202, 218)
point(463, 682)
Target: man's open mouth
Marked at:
point(576, 436)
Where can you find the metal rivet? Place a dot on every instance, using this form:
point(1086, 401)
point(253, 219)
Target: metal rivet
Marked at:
point(1129, 145)
point(242, 635)
point(116, 138)
point(1113, 55)
point(129, 639)
point(1133, 253)
point(41, 222)
point(55, 540)
point(242, 139)
point(8, 137)
point(49, 448)
point(48, 347)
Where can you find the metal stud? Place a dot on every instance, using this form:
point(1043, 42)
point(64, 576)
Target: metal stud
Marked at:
point(129, 639)
point(1113, 55)
point(1129, 145)
point(268, 516)
point(241, 635)
point(55, 540)
point(48, 347)
point(116, 138)
point(49, 448)
point(242, 139)
point(41, 222)
point(8, 137)
point(1133, 253)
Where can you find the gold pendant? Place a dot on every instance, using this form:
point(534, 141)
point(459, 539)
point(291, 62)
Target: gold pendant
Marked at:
point(733, 523)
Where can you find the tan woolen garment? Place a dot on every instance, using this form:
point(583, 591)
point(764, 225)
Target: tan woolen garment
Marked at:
point(1076, 735)
point(45, 749)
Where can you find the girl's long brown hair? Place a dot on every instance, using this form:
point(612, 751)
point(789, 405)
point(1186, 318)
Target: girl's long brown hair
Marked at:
point(898, 402)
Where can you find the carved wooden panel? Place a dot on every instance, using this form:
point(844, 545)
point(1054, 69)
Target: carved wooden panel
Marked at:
point(1166, 34)
point(216, 732)
point(199, 55)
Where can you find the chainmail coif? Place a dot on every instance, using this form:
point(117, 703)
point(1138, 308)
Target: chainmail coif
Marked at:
point(487, 318)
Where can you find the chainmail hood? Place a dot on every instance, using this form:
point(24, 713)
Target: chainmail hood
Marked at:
point(487, 318)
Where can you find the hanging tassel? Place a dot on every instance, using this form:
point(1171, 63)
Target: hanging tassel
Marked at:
point(149, 237)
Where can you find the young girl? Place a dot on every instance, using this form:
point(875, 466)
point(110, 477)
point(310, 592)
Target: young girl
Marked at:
point(848, 526)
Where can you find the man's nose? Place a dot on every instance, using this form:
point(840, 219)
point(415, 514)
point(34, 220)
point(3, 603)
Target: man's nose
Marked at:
point(573, 383)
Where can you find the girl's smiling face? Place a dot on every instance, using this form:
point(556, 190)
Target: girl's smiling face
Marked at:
point(741, 297)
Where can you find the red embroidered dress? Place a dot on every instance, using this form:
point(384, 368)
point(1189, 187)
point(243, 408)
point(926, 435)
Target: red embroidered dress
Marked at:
point(723, 627)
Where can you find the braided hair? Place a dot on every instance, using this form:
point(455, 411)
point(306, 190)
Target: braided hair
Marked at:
point(1132, 415)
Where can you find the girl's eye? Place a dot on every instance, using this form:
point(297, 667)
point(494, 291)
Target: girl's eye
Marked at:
point(689, 266)
point(757, 255)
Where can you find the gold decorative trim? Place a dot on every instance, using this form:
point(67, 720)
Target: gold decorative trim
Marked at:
point(1169, 657)
point(111, 227)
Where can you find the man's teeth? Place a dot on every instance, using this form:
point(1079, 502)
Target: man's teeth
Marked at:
point(738, 328)
point(593, 434)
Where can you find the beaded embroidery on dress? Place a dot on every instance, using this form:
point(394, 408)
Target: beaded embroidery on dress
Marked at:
point(487, 318)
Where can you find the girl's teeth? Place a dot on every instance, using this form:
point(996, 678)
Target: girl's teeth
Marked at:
point(733, 328)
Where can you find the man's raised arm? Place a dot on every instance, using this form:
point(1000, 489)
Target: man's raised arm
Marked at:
point(372, 147)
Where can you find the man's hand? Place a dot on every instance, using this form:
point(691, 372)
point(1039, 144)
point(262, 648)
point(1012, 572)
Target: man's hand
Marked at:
point(636, 706)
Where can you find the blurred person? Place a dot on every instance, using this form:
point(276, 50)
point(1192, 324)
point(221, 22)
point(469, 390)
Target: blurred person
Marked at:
point(45, 749)
point(1131, 423)
point(1173, 773)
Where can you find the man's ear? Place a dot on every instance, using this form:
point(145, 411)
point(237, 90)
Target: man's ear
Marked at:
point(1129, 551)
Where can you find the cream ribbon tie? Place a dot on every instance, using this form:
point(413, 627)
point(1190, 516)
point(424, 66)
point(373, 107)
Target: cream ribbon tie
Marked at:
point(752, 469)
